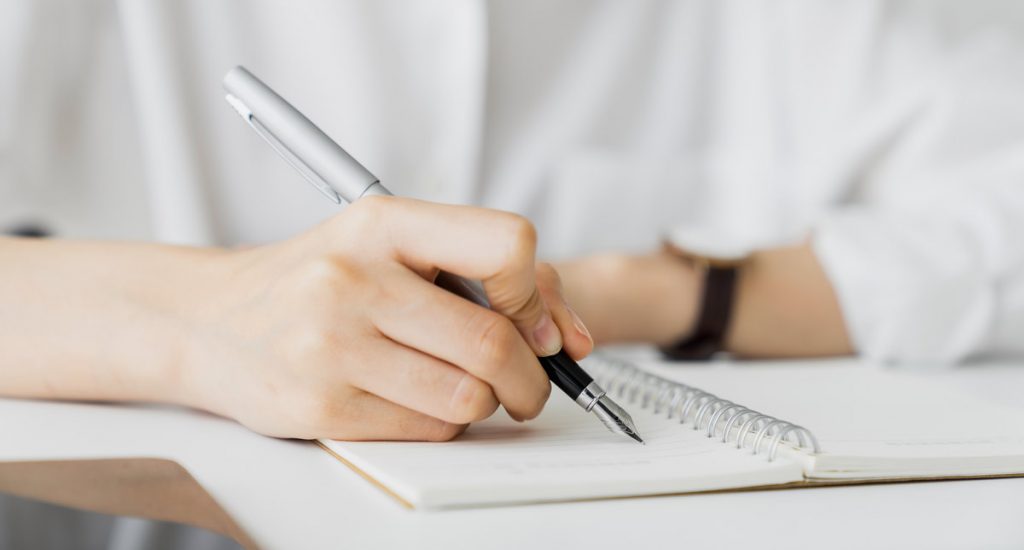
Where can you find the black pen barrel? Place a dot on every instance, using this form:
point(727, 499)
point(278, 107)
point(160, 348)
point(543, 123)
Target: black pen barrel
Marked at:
point(566, 373)
point(561, 369)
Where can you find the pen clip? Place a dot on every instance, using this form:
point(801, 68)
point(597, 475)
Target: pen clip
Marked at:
point(283, 150)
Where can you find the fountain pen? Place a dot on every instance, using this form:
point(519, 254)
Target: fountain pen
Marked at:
point(341, 178)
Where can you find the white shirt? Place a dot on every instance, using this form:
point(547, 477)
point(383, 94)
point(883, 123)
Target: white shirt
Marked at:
point(890, 133)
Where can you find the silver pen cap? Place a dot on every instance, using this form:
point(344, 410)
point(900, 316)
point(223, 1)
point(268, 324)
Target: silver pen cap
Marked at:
point(322, 161)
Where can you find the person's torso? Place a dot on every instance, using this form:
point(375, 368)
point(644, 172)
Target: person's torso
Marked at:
point(604, 122)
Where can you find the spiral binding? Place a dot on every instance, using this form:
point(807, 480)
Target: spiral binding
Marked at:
point(703, 410)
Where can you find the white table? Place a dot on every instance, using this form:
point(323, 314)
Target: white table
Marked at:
point(290, 494)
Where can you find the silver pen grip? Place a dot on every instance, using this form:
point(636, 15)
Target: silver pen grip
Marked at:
point(294, 133)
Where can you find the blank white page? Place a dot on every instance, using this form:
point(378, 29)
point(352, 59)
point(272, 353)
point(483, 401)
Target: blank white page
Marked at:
point(877, 422)
point(564, 454)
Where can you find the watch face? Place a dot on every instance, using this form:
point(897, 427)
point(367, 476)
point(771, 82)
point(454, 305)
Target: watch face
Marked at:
point(705, 260)
point(713, 247)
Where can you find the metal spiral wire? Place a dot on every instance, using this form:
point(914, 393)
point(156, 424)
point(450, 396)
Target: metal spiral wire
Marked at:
point(702, 410)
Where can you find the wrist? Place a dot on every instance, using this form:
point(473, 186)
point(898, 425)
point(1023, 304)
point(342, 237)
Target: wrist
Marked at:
point(710, 327)
point(633, 298)
point(173, 297)
point(673, 296)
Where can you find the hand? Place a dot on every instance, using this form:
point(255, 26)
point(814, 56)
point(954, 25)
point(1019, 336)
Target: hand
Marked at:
point(624, 298)
point(339, 333)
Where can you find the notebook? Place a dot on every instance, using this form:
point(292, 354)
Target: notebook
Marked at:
point(713, 428)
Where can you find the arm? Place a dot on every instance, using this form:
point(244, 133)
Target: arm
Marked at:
point(323, 335)
point(85, 320)
point(784, 304)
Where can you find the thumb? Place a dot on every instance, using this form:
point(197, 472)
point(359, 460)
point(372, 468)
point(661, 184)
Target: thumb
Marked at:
point(530, 314)
point(513, 292)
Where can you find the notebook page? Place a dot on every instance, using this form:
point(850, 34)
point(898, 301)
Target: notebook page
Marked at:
point(564, 454)
point(873, 421)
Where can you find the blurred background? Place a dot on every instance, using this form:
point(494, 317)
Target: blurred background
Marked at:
point(750, 120)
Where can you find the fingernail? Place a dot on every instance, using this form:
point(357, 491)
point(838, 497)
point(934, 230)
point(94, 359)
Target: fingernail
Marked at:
point(546, 337)
point(578, 323)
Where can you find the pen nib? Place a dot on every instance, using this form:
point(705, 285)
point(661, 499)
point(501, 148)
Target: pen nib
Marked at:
point(615, 418)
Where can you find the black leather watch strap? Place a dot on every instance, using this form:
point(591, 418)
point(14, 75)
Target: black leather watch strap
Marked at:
point(708, 336)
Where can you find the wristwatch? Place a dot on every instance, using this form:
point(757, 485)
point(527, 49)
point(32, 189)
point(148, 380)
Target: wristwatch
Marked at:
point(720, 276)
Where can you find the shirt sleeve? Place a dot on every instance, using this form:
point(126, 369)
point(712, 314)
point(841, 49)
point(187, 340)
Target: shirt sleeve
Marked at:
point(927, 258)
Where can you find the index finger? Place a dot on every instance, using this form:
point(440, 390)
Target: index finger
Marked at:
point(497, 248)
point(477, 340)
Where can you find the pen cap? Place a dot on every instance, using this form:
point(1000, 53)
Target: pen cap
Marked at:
point(298, 135)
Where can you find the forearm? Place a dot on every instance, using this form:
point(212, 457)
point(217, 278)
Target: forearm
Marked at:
point(86, 320)
point(785, 307)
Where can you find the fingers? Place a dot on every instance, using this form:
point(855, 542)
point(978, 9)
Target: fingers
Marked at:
point(577, 340)
point(497, 248)
point(425, 384)
point(367, 417)
point(480, 341)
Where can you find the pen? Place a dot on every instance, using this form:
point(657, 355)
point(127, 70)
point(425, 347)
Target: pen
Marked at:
point(342, 179)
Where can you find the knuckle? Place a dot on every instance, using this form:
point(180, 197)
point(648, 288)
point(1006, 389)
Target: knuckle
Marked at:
point(440, 431)
point(530, 307)
point(310, 344)
point(548, 276)
point(522, 238)
point(534, 409)
point(496, 342)
point(368, 209)
point(323, 283)
point(327, 273)
point(318, 410)
point(364, 217)
point(473, 401)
